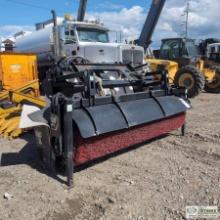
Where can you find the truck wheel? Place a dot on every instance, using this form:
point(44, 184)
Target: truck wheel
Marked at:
point(214, 86)
point(191, 78)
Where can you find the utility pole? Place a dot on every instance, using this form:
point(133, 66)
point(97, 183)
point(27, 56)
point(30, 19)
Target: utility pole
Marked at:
point(187, 19)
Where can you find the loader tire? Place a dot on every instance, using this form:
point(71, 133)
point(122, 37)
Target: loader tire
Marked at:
point(191, 78)
point(214, 86)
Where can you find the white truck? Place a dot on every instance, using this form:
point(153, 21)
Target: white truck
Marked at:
point(88, 40)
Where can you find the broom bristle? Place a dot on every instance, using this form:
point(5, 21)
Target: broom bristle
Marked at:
point(90, 149)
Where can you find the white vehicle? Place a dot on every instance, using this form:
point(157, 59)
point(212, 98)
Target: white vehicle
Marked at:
point(88, 40)
point(213, 52)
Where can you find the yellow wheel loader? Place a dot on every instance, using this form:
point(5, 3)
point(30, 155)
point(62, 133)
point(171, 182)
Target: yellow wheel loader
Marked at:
point(18, 85)
point(185, 67)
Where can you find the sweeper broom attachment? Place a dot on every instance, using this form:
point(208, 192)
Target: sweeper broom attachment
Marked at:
point(98, 109)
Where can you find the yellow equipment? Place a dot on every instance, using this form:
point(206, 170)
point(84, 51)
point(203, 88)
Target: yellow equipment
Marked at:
point(185, 67)
point(170, 66)
point(18, 84)
point(184, 78)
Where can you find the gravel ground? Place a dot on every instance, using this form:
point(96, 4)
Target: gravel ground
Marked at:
point(153, 182)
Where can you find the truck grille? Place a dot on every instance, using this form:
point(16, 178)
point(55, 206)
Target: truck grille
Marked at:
point(134, 57)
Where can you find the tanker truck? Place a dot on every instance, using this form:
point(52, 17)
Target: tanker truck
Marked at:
point(86, 41)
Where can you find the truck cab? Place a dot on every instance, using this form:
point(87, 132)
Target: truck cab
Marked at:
point(90, 40)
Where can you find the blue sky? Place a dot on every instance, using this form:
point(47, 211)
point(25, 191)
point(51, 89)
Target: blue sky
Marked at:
point(17, 13)
point(126, 16)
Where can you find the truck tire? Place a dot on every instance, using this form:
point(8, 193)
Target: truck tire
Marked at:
point(214, 86)
point(191, 78)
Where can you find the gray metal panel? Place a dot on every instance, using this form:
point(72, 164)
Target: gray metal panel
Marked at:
point(141, 111)
point(172, 105)
point(102, 119)
point(107, 118)
point(84, 123)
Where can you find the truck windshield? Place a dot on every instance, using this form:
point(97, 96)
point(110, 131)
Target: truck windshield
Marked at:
point(92, 35)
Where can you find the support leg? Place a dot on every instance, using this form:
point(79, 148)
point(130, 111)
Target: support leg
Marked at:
point(68, 141)
point(183, 130)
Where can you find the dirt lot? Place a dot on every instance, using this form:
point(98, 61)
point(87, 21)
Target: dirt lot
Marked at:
point(155, 181)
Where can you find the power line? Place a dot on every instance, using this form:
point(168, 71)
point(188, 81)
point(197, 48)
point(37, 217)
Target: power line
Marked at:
point(28, 4)
point(31, 5)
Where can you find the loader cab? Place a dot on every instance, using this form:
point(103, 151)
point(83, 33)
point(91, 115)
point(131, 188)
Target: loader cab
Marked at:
point(183, 51)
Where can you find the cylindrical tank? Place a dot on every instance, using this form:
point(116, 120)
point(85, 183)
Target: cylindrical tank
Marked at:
point(39, 42)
